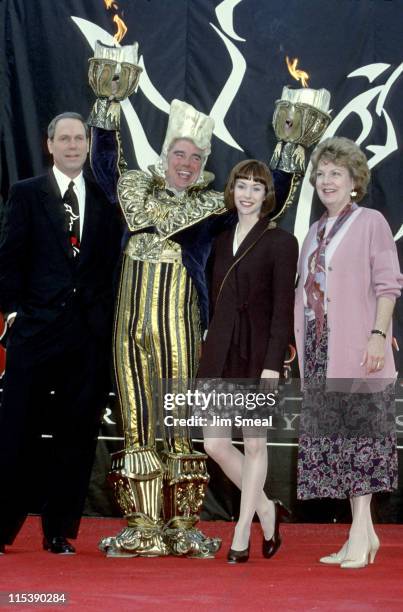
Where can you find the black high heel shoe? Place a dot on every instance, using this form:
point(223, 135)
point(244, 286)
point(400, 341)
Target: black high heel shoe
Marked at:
point(238, 556)
point(270, 547)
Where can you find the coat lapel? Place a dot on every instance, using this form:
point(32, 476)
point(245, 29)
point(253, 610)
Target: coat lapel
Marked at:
point(252, 237)
point(247, 245)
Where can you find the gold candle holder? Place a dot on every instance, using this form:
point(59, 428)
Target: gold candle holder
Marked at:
point(299, 120)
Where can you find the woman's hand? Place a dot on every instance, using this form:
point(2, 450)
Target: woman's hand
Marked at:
point(270, 374)
point(374, 356)
point(269, 381)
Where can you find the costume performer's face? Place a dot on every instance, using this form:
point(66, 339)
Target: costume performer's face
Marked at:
point(289, 121)
point(248, 196)
point(184, 164)
point(333, 184)
point(69, 146)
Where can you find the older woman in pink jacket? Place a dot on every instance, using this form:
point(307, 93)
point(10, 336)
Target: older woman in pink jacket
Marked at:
point(349, 280)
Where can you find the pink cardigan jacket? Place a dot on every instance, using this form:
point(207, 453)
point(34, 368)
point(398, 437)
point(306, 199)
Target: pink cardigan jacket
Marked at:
point(363, 268)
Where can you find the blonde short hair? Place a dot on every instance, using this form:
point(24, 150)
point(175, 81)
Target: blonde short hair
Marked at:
point(343, 152)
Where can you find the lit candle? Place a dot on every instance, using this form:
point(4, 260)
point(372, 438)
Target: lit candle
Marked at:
point(300, 118)
point(319, 98)
point(124, 53)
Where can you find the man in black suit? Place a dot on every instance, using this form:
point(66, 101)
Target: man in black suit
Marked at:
point(59, 245)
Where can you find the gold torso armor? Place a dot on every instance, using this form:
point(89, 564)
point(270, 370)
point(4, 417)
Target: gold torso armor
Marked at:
point(152, 248)
point(146, 203)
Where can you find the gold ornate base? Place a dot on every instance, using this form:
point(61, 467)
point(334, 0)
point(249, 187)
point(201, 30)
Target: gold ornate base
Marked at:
point(141, 538)
point(185, 482)
point(137, 480)
point(183, 539)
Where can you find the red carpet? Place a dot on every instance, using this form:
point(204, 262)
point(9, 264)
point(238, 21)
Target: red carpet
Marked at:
point(293, 580)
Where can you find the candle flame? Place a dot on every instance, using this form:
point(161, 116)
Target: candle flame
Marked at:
point(299, 75)
point(121, 28)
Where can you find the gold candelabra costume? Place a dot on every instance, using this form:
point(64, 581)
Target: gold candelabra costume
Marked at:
point(156, 339)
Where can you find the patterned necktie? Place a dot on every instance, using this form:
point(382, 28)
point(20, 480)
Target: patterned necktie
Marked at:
point(70, 203)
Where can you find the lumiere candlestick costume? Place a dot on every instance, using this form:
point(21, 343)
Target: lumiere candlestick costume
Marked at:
point(157, 325)
point(162, 298)
point(300, 119)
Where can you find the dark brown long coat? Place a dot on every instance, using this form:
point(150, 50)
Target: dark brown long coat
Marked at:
point(252, 302)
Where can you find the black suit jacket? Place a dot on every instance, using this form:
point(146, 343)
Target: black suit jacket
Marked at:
point(39, 277)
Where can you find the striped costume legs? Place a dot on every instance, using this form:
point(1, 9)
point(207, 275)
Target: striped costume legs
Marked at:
point(156, 348)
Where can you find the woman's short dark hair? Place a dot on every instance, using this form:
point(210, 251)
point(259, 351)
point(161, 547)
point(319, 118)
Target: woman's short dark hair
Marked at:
point(343, 152)
point(259, 172)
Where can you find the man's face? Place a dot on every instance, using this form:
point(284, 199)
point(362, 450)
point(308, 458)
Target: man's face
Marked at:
point(69, 146)
point(184, 164)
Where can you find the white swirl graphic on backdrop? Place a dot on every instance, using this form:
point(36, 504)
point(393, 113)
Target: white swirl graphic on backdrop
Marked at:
point(225, 17)
point(359, 106)
point(229, 91)
point(145, 154)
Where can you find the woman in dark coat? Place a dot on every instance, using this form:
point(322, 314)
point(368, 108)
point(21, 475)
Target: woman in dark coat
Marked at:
point(252, 297)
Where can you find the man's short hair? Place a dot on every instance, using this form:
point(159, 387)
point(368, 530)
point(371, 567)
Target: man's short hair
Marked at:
point(67, 115)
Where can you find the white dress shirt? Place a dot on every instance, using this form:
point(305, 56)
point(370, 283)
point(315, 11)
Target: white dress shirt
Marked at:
point(63, 182)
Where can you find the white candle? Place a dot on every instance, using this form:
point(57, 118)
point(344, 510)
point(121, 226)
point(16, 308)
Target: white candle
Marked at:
point(319, 98)
point(124, 53)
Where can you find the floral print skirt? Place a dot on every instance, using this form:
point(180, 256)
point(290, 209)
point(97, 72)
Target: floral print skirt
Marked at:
point(347, 443)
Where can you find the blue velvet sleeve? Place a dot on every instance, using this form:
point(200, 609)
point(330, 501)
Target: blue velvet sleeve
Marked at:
point(104, 158)
point(282, 183)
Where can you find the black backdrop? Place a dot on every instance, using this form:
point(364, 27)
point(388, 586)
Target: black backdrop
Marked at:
point(228, 59)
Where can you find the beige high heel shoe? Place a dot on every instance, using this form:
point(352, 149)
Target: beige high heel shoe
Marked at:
point(335, 558)
point(367, 557)
point(374, 545)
